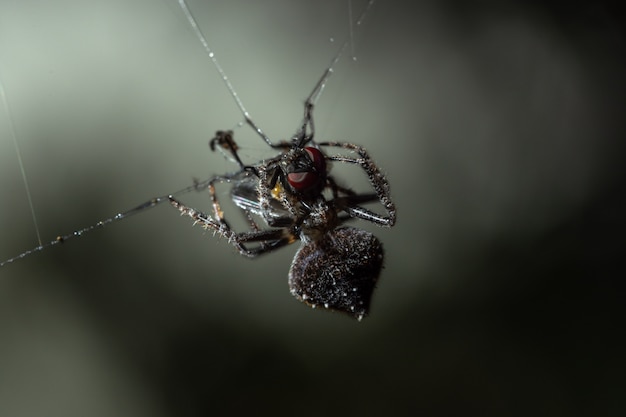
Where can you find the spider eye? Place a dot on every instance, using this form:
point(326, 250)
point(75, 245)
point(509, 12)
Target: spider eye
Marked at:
point(305, 180)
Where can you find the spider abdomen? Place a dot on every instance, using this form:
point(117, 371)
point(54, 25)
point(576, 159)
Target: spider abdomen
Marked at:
point(338, 272)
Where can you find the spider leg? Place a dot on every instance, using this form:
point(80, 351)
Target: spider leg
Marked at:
point(254, 227)
point(349, 204)
point(269, 239)
point(349, 200)
point(377, 180)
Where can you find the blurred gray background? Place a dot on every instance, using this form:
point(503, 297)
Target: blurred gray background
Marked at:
point(499, 125)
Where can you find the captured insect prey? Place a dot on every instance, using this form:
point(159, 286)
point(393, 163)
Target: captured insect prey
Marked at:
point(291, 197)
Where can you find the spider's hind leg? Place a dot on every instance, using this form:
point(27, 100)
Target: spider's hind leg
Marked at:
point(377, 180)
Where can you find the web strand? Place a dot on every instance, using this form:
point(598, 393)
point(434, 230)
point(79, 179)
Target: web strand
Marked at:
point(198, 32)
point(153, 202)
point(20, 162)
point(351, 25)
point(319, 87)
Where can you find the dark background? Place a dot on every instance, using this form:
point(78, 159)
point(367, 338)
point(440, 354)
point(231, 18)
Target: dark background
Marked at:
point(499, 125)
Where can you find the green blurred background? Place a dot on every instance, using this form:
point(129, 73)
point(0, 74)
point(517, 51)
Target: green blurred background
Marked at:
point(499, 125)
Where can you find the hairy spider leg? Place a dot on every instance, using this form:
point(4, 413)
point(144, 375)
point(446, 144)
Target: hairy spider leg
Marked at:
point(376, 178)
point(269, 240)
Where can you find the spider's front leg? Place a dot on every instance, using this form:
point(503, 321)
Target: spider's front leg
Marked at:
point(270, 239)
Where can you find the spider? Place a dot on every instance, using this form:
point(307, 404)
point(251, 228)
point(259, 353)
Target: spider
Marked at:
point(294, 194)
point(336, 267)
